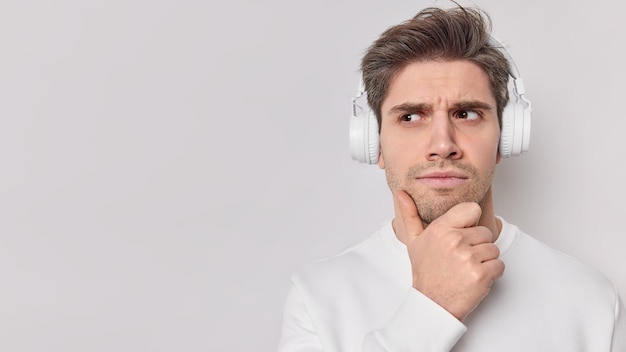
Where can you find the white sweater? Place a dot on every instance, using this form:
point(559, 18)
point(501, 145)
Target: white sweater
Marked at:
point(362, 300)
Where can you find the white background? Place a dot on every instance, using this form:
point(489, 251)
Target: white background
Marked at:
point(166, 165)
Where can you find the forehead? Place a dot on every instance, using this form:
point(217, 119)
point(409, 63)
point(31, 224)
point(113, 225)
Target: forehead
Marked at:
point(439, 82)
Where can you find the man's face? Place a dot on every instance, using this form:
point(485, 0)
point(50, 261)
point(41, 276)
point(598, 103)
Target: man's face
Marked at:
point(439, 135)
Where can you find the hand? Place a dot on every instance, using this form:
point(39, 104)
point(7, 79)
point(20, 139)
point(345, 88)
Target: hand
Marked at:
point(453, 260)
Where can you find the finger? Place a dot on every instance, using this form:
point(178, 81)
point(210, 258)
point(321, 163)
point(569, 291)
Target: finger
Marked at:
point(461, 215)
point(409, 215)
point(485, 252)
point(477, 235)
point(494, 268)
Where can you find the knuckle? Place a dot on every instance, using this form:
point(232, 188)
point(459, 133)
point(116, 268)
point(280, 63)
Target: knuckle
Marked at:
point(465, 257)
point(454, 239)
point(477, 275)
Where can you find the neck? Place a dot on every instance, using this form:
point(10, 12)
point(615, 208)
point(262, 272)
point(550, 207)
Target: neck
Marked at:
point(488, 218)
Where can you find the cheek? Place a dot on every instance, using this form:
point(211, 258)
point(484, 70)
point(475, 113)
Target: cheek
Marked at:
point(482, 150)
point(395, 156)
point(490, 141)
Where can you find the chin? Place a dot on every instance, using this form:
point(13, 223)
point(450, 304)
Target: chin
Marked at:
point(430, 210)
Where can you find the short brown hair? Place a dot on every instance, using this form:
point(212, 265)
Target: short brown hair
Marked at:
point(435, 34)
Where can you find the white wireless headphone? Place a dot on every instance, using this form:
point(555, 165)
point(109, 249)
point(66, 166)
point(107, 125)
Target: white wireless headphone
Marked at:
point(515, 129)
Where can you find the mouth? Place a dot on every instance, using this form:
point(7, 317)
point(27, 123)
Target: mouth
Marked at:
point(443, 179)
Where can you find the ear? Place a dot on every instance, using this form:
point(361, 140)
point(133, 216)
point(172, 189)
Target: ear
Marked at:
point(498, 156)
point(381, 160)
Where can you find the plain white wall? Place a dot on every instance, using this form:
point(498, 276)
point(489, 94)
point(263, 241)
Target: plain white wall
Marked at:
point(166, 165)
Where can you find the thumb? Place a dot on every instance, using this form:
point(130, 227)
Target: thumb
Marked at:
point(406, 209)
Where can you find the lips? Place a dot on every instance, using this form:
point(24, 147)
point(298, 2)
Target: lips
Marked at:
point(443, 179)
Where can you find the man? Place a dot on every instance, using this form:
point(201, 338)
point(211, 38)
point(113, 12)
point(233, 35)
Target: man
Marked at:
point(434, 279)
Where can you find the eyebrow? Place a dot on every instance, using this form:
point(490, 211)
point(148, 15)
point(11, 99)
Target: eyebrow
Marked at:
point(410, 107)
point(461, 105)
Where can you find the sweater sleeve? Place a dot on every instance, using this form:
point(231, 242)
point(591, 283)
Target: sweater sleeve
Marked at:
point(418, 325)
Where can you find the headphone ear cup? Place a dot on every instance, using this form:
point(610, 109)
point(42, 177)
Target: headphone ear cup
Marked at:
point(515, 134)
point(373, 140)
point(518, 129)
point(507, 130)
point(526, 129)
point(364, 139)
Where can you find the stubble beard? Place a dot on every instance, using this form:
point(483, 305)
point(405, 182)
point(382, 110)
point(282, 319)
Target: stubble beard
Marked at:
point(433, 202)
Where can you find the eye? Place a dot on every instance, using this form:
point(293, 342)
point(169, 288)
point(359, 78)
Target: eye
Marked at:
point(467, 115)
point(410, 117)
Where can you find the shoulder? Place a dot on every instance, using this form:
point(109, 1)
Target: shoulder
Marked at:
point(368, 252)
point(380, 258)
point(550, 267)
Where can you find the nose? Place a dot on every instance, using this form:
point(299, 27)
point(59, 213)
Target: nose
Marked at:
point(442, 144)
